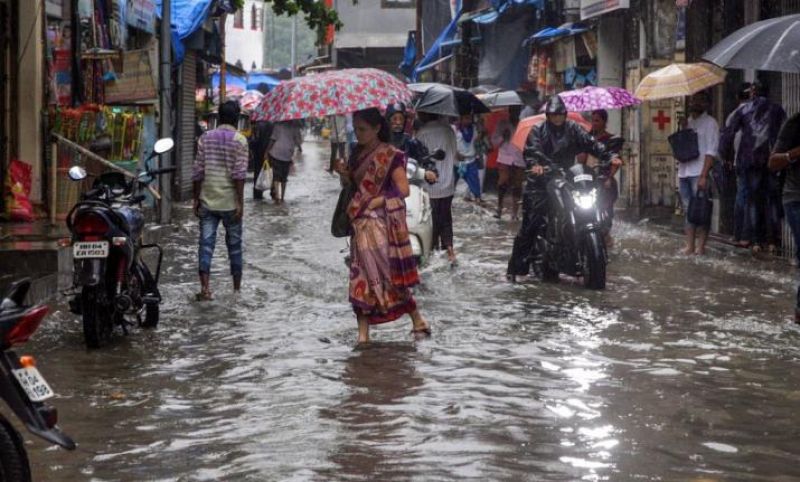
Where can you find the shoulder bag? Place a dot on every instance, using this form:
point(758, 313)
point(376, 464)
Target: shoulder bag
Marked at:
point(684, 144)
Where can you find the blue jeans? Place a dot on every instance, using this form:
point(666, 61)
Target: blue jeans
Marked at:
point(792, 212)
point(209, 223)
point(471, 175)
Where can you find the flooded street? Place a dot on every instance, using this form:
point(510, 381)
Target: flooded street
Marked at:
point(683, 369)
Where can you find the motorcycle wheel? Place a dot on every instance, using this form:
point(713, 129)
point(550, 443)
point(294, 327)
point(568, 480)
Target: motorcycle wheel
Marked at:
point(14, 465)
point(97, 323)
point(151, 315)
point(594, 262)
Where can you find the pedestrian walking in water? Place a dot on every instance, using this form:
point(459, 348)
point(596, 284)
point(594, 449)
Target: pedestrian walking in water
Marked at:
point(436, 134)
point(510, 164)
point(338, 140)
point(693, 175)
point(262, 134)
point(286, 137)
point(468, 167)
point(756, 124)
point(785, 159)
point(218, 176)
point(382, 267)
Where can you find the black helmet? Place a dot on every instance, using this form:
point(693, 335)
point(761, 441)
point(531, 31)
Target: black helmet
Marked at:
point(396, 108)
point(555, 106)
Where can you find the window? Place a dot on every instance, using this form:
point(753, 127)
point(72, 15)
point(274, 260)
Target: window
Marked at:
point(238, 19)
point(256, 18)
point(398, 3)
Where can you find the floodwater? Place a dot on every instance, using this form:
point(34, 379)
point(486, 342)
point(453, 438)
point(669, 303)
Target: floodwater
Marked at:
point(683, 369)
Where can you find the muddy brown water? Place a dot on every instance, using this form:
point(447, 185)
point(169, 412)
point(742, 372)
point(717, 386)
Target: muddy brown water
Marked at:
point(683, 369)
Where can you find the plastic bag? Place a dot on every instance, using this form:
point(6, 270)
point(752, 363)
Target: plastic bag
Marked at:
point(264, 180)
point(18, 188)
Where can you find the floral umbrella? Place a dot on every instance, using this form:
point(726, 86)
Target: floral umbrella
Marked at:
point(250, 100)
point(331, 93)
point(591, 98)
point(526, 125)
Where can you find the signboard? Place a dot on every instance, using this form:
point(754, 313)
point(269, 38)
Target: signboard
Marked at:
point(141, 14)
point(135, 80)
point(593, 8)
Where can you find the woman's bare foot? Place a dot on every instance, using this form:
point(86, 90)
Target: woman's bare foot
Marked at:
point(688, 250)
point(420, 327)
point(701, 251)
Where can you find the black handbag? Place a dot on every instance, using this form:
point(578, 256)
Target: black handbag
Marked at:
point(700, 209)
point(340, 225)
point(684, 144)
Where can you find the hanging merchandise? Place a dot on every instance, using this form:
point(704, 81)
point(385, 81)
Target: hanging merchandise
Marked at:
point(18, 190)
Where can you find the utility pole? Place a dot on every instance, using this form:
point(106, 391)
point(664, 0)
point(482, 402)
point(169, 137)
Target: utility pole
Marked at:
point(165, 97)
point(223, 68)
point(419, 30)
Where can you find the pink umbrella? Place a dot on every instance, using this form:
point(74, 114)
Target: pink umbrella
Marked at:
point(593, 98)
point(330, 93)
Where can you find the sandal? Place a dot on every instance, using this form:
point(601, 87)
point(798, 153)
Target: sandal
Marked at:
point(421, 333)
point(203, 296)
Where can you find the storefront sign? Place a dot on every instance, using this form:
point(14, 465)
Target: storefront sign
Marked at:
point(135, 80)
point(593, 8)
point(141, 14)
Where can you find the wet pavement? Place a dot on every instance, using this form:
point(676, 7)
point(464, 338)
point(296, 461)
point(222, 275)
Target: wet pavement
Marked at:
point(683, 369)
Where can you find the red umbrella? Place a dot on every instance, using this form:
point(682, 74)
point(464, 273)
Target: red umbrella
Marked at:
point(525, 126)
point(331, 93)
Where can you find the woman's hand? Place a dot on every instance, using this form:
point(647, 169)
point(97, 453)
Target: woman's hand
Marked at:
point(341, 167)
point(377, 202)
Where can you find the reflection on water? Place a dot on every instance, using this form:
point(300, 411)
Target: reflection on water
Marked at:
point(684, 369)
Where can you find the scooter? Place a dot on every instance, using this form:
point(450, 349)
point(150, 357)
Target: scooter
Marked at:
point(418, 207)
point(572, 240)
point(22, 386)
point(112, 283)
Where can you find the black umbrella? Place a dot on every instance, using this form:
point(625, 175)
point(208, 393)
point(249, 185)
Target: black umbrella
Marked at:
point(446, 100)
point(772, 44)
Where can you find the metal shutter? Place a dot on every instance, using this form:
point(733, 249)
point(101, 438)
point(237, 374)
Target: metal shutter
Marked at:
point(186, 126)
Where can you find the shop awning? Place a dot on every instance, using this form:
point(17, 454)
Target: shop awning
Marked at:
point(441, 48)
point(490, 15)
point(551, 33)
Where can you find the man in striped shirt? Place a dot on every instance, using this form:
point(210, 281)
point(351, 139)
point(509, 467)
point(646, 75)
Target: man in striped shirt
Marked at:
point(218, 174)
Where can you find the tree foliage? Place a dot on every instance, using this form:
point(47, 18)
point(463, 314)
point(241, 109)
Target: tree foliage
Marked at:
point(315, 13)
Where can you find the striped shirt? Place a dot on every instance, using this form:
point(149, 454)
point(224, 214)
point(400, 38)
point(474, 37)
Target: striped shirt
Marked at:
point(436, 135)
point(222, 158)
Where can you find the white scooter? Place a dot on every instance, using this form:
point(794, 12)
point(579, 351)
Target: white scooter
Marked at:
point(419, 216)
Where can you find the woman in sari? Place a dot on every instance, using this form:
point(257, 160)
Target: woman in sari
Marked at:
point(382, 266)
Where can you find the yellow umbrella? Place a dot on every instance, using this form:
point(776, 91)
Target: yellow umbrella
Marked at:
point(679, 80)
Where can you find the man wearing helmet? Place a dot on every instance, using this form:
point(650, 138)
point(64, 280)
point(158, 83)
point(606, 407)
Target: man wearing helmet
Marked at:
point(397, 116)
point(553, 143)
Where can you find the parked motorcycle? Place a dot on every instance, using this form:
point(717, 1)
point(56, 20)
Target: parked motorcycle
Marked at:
point(22, 387)
point(418, 207)
point(572, 241)
point(112, 283)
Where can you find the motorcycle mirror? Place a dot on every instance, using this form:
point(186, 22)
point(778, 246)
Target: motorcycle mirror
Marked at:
point(438, 155)
point(77, 173)
point(163, 145)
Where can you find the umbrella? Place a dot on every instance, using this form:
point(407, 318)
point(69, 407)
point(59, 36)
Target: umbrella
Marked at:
point(250, 100)
point(505, 98)
point(331, 93)
point(526, 125)
point(679, 80)
point(593, 98)
point(485, 89)
point(766, 45)
point(446, 100)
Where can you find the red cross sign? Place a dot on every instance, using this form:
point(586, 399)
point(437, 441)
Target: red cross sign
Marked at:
point(662, 120)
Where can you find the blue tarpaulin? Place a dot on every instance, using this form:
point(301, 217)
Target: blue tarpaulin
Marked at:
point(187, 16)
point(549, 33)
point(255, 79)
point(409, 55)
point(442, 47)
point(501, 6)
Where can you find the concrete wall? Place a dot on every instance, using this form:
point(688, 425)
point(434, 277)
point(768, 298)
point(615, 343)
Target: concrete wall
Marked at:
point(245, 44)
point(375, 23)
point(30, 85)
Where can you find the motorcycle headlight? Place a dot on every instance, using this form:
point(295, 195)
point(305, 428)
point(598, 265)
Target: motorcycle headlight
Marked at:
point(585, 200)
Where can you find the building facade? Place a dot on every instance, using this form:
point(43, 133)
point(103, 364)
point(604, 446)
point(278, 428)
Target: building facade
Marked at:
point(245, 36)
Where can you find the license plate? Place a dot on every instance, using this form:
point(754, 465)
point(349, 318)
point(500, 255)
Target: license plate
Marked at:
point(90, 249)
point(584, 178)
point(33, 383)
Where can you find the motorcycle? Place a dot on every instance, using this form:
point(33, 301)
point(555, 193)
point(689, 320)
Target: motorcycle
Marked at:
point(23, 387)
point(112, 283)
point(419, 217)
point(572, 240)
